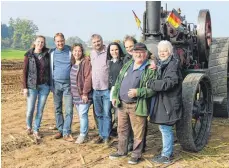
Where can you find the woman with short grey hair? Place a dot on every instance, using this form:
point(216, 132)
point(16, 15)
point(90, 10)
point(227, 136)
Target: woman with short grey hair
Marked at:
point(165, 45)
point(167, 107)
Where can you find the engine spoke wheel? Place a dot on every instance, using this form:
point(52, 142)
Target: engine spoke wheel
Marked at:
point(194, 127)
point(204, 35)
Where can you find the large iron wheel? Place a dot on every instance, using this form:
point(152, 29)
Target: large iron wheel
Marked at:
point(194, 127)
point(204, 35)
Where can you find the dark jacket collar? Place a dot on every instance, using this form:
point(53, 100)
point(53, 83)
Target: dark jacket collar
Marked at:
point(31, 51)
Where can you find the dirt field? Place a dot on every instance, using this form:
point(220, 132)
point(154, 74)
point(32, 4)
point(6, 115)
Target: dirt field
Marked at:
point(19, 150)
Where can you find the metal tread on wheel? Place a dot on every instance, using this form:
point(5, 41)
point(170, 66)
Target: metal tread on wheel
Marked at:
point(219, 74)
point(194, 127)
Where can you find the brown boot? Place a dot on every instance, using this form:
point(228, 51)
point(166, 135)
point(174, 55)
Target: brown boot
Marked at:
point(29, 131)
point(68, 138)
point(58, 135)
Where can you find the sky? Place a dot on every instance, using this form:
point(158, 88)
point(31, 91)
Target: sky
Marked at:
point(111, 19)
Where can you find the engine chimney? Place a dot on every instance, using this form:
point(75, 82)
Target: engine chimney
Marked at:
point(153, 23)
point(153, 14)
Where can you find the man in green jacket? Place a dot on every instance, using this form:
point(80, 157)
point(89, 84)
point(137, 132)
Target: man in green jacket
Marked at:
point(132, 98)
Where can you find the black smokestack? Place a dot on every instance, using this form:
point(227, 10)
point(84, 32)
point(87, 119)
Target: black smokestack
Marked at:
point(153, 14)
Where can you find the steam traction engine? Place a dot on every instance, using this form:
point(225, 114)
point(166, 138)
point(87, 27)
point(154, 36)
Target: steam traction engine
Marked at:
point(204, 63)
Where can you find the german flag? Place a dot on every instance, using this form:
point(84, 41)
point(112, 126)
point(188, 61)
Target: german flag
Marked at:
point(174, 18)
point(138, 22)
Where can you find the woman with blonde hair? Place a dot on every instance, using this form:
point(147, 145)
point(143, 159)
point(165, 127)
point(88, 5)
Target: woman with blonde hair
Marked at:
point(36, 83)
point(167, 109)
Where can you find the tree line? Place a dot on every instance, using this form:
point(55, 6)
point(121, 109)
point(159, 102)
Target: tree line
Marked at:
point(20, 33)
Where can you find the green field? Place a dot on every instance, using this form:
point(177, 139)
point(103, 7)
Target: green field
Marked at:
point(12, 54)
point(19, 54)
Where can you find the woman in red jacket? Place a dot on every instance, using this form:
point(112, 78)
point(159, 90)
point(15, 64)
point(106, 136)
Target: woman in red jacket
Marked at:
point(81, 87)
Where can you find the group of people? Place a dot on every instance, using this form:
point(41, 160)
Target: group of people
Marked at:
point(135, 85)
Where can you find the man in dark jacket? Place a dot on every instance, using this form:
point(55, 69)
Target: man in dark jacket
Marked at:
point(168, 105)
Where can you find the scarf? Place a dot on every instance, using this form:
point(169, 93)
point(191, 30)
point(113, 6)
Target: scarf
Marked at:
point(161, 65)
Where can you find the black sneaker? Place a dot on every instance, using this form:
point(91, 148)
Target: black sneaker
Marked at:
point(114, 132)
point(116, 156)
point(161, 159)
point(133, 160)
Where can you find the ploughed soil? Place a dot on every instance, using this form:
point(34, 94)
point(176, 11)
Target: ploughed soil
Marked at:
point(22, 151)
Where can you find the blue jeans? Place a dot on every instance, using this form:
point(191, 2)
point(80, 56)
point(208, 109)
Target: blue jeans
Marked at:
point(41, 93)
point(167, 140)
point(102, 106)
point(82, 109)
point(63, 90)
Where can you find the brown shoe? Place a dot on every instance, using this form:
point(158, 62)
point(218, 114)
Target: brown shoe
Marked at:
point(29, 131)
point(68, 138)
point(98, 140)
point(58, 135)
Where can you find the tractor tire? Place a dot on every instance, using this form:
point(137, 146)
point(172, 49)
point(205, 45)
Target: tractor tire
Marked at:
point(194, 136)
point(219, 74)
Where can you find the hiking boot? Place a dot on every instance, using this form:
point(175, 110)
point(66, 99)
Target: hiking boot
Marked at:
point(80, 139)
point(161, 159)
point(114, 156)
point(68, 138)
point(133, 160)
point(98, 140)
point(37, 135)
point(29, 131)
point(58, 135)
